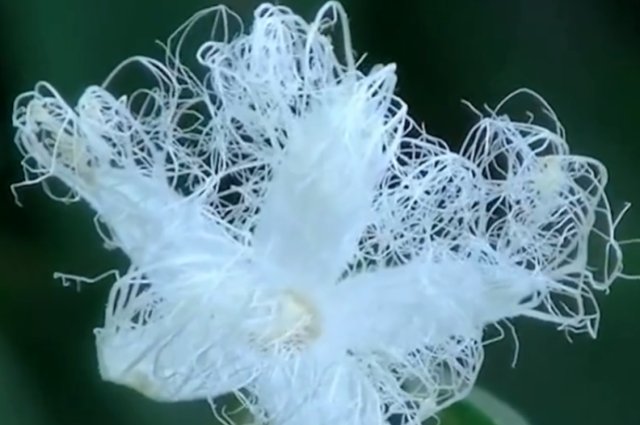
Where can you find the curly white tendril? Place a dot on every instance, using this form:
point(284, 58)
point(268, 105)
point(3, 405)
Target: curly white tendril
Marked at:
point(296, 239)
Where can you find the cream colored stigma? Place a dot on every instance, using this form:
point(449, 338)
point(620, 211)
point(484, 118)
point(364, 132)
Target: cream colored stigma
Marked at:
point(293, 324)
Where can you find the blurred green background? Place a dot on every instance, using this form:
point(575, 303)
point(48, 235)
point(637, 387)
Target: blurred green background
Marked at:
point(583, 57)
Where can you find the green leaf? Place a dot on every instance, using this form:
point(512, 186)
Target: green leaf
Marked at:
point(480, 408)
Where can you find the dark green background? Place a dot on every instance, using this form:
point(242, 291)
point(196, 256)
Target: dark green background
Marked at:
point(582, 56)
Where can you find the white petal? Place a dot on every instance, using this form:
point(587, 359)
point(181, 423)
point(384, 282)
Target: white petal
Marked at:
point(419, 324)
point(320, 198)
point(103, 156)
point(177, 343)
point(313, 391)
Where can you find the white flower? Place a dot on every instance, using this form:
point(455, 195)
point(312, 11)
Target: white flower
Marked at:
point(295, 235)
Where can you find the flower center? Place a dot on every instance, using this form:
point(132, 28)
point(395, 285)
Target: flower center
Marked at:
point(293, 324)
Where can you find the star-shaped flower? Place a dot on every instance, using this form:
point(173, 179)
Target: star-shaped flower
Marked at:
point(297, 239)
